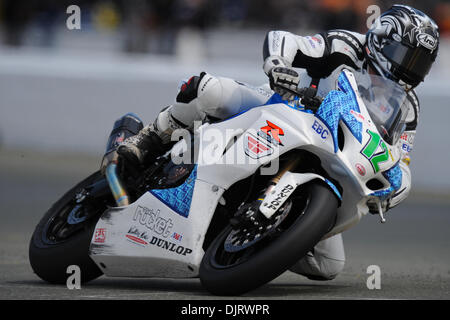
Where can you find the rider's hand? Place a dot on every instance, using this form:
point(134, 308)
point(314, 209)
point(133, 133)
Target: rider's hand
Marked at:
point(284, 81)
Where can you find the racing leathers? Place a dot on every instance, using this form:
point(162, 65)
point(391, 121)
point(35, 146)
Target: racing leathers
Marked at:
point(322, 56)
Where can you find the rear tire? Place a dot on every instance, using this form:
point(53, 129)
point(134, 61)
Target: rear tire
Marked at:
point(49, 258)
point(269, 259)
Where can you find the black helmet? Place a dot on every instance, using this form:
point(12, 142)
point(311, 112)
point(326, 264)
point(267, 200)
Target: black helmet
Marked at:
point(402, 44)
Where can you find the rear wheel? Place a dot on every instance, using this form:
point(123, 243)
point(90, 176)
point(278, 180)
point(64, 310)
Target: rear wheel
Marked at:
point(63, 236)
point(238, 261)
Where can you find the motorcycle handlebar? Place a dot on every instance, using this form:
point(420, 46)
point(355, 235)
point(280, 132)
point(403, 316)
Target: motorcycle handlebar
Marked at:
point(308, 97)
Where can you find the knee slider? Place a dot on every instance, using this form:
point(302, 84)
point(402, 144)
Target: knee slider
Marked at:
point(318, 268)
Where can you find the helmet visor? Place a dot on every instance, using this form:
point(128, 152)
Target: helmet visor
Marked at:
point(410, 64)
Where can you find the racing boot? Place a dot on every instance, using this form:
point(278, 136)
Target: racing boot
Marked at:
point(142, 149)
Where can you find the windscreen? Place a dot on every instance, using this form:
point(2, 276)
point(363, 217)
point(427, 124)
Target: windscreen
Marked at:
point(385, 101)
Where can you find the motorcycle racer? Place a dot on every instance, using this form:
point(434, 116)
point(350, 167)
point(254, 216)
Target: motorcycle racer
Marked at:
point(401, 45)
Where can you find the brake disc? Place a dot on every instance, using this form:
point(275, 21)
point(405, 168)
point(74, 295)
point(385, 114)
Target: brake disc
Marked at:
point(242, 238)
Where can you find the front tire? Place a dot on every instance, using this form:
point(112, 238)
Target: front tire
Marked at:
point(57, 244)
point(221, 273)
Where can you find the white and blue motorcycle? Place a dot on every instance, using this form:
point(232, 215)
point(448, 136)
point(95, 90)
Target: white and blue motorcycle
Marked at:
point(235, 209)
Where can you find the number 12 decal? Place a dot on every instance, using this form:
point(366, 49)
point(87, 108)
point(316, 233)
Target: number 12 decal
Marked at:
point(369, 151)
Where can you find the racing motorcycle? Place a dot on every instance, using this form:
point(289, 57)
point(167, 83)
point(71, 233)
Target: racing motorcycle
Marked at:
point(236, 210)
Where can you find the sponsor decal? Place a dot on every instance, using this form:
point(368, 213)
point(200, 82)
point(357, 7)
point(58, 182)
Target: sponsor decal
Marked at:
point(271, 133)
point(284, 193)
point(369, 151)
point(100, 235)
point(170, 246)
point(390, 154)
point(206, 83)
point(407, 160)
point(152, 220)
point(177, 236)
point(409, 138)
point(135, 236)
point(359, 117)
point(406, 147)
point(311, 42)
point(275, 41)
point(360, 168)
point(255, 148)
point(348, 38)
point(427, 41)
point(320, 130)
point(316, 39)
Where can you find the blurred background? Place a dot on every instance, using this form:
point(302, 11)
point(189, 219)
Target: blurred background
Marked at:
point(61, 91)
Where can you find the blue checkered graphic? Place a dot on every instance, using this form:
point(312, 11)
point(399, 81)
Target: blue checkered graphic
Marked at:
point(178, 199)
point(394, 176)
point(337, 106)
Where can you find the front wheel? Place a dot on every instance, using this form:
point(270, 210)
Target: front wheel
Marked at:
point(227, 269)
point(63, 236)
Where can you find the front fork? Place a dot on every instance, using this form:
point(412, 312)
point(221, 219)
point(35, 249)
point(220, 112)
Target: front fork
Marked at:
point(292, 163)
point(247, 214)
point(284, 184)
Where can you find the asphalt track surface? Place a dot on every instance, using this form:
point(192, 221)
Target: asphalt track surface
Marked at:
point(411, 249)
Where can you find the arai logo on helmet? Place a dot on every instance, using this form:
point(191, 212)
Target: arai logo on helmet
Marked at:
point(427, 40)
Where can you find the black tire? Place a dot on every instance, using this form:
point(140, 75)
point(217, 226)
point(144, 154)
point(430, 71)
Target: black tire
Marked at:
point(49, 259)
point(274, 256)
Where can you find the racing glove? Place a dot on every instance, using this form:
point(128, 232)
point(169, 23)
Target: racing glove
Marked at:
point(284, 80)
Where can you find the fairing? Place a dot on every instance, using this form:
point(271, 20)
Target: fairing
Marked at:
point(162, 233)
